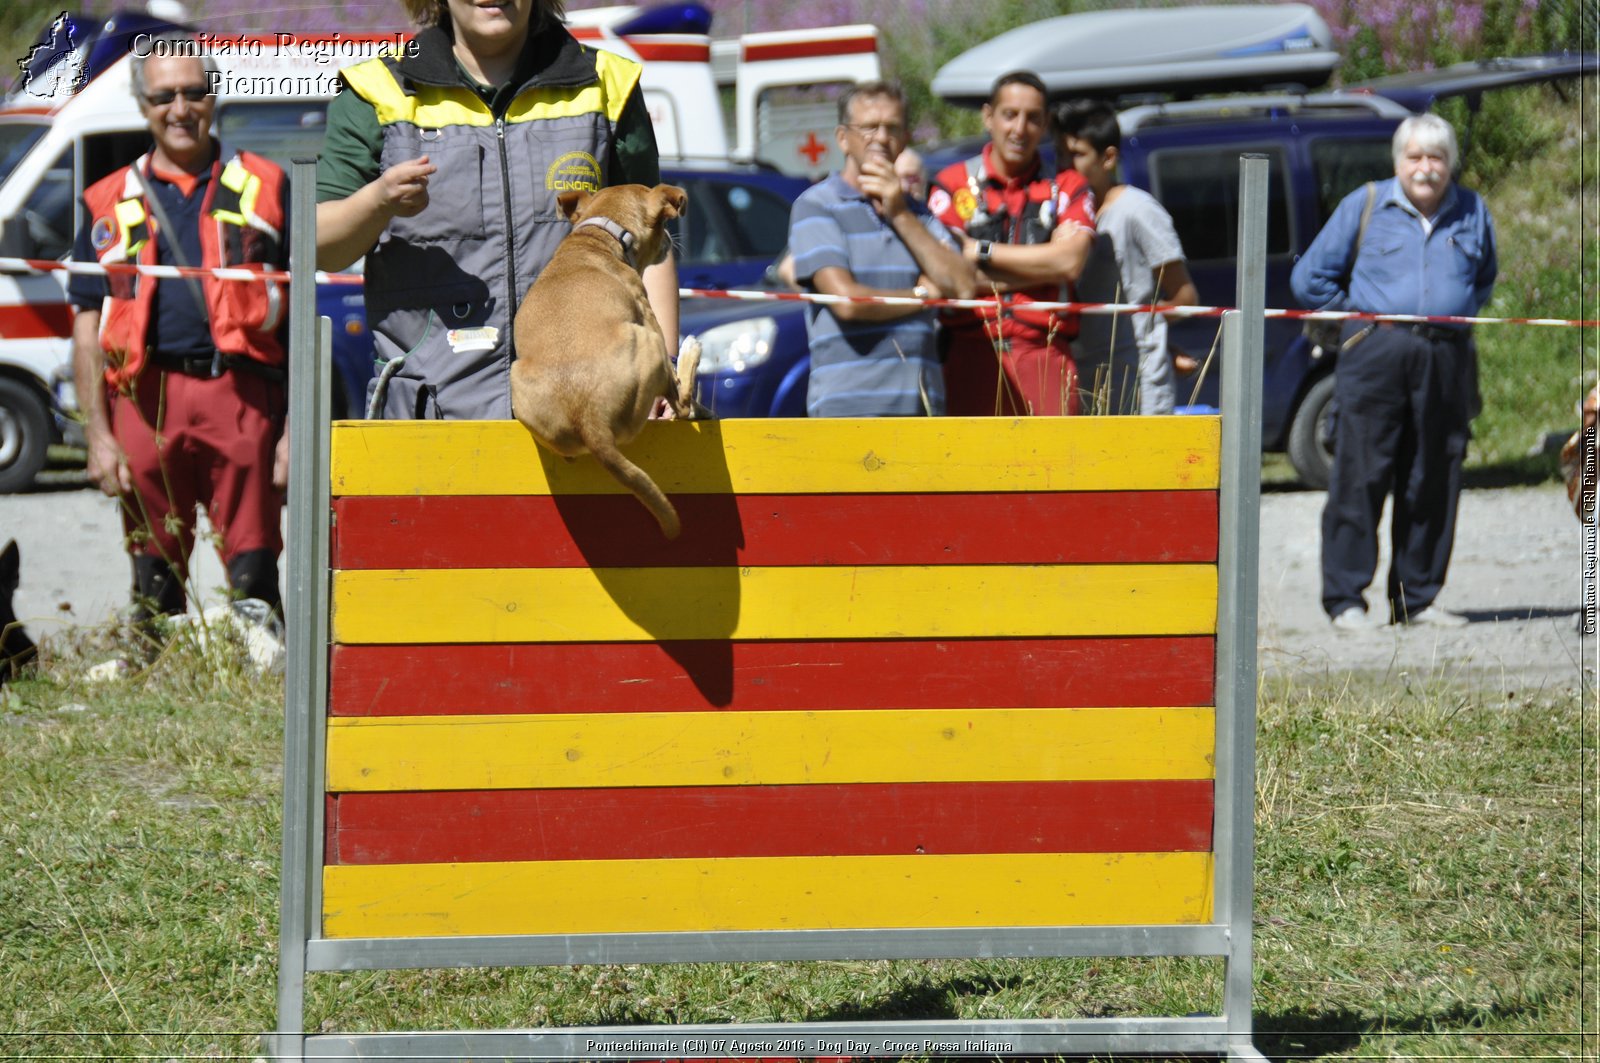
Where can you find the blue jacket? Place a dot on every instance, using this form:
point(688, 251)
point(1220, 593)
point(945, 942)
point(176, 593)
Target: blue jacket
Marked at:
point(1402, 268)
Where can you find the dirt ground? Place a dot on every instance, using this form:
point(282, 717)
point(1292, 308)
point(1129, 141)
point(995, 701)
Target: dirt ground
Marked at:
point(1517, 574)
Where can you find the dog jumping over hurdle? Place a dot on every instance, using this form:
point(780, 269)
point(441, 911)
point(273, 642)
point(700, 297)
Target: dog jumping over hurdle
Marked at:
point(16, 648)
point(591, 359)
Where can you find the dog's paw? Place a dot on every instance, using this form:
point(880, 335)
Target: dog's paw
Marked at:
point(688, 364)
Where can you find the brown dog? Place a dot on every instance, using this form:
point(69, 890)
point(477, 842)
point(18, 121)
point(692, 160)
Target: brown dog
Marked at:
point(591, 360)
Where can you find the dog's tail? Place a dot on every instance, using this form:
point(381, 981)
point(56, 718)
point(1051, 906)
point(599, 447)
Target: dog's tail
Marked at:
point(638, 481)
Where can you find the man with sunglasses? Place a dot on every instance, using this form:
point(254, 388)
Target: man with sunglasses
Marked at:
point(858, 234)
point(181, 380)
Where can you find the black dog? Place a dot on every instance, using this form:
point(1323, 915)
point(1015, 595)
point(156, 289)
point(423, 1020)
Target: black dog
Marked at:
point(16, 648)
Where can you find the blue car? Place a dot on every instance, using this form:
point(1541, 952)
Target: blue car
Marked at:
point(754, 356)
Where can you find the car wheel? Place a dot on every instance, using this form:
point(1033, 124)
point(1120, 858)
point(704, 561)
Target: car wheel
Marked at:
point(1310, 438)
point(24, 434)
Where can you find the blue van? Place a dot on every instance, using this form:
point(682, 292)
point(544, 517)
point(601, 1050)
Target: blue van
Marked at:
point(1320, 147)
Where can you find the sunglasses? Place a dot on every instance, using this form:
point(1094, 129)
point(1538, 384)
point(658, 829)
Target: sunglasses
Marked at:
point(192, 93)
point(891, 130)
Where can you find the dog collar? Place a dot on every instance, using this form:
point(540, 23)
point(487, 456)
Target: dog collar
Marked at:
point(624, 237)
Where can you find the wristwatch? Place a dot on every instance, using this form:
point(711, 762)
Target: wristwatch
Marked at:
point(920, 291)
point(985, 250)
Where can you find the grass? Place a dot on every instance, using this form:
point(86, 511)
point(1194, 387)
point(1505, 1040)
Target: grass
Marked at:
point(1525, 156)
point(1420, 884)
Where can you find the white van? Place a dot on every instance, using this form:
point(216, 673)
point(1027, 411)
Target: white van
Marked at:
point(74, 120)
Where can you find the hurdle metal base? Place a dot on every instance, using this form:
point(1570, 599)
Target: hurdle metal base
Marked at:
point(1035, 1037)
point(364, 954)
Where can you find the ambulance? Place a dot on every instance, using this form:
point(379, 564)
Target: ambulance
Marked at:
point(71, 118)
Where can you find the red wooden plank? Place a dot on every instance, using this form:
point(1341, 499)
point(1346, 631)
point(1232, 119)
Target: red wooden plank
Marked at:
point(761, 676)
point(608, 531)
point(831, 820)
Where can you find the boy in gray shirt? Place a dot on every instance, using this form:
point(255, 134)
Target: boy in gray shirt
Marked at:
point(1136, 259)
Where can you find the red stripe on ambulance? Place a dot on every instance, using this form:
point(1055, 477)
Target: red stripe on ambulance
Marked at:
point(36, 321)
point(759, 53)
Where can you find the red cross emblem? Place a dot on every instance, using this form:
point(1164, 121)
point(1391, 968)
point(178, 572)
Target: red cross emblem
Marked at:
point(813, 149)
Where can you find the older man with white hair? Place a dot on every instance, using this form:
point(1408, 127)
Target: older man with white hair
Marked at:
point(1405, 394)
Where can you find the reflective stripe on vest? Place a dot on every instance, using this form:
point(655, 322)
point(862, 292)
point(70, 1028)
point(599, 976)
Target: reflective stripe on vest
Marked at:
point(133, 229)
point(235, 200)
point(436, 106)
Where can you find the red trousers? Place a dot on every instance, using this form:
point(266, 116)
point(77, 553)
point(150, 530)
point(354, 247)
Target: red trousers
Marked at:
point(193, 441)
point(1018, 373)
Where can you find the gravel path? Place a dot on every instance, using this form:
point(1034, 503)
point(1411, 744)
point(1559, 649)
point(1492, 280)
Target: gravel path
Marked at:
point(1517, 574)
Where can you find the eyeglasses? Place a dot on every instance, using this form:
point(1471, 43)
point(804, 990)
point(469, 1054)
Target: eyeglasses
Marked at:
point(192, 93)
point(894, 131)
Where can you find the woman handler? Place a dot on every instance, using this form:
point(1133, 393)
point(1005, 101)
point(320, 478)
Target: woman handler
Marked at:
point(442, 165)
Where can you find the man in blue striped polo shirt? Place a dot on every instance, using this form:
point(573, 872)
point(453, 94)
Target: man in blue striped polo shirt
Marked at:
point(858, 234)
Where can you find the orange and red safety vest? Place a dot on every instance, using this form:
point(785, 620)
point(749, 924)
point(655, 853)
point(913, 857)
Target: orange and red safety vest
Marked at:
point(242, 226)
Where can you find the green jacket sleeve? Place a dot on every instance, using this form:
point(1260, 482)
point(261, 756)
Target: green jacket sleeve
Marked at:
point(634, 155)
point(351, 151)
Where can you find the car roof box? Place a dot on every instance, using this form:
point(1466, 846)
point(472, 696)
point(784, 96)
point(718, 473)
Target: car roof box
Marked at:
point(1180, 51)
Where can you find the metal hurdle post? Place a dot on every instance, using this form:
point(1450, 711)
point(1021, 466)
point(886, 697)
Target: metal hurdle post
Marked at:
point(306, 613)
point(1238, 554)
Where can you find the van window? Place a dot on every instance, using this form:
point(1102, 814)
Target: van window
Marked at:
point(105, 152)
point(1341, 166)
point(755, 220)
point(1200, 189)
point(663, 108)
point(48, 211)
point(282, 131)
point(794, 128)
point(16, 139)
point(730, 220)
point(693, 234)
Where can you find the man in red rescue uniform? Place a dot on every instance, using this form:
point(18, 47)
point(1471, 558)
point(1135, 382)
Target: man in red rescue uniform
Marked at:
point(181, 381)
point(1029, 230)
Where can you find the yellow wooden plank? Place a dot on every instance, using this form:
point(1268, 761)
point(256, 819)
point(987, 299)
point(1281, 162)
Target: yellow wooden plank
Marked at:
point(560, 750)
point(891, 601)
point(767, 893)
point(791, 456)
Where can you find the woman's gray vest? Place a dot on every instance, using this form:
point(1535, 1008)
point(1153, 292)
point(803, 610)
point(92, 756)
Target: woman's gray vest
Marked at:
point(443, 286)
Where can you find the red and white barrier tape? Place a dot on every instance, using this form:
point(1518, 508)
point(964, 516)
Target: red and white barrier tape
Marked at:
point(30, 265)
point(1130, 308)
point(96, 269)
